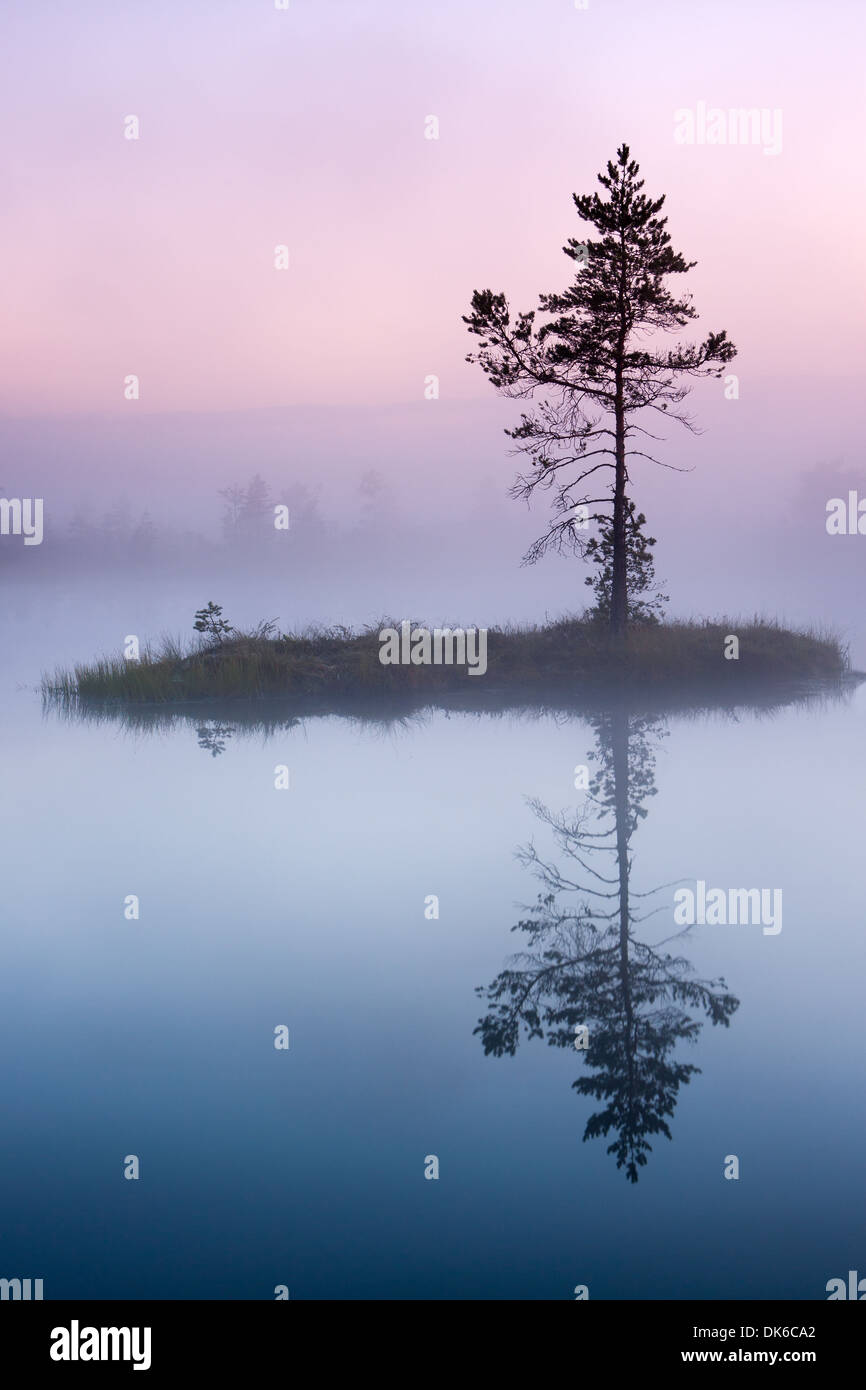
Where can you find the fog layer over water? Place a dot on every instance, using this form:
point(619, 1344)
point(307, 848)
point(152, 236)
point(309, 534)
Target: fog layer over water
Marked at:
point(306, 908)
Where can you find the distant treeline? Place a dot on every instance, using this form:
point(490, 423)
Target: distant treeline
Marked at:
point(259, 527)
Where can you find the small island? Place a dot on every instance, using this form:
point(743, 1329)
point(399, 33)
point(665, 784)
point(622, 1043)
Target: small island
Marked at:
point(568, 661)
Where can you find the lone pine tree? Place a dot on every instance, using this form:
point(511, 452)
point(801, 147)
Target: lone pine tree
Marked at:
point(591, 364)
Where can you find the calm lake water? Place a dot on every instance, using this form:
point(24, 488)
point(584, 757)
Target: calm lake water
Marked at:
point(310, 908)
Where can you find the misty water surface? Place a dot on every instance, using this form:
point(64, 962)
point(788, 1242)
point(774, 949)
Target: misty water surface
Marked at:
point(306, 908)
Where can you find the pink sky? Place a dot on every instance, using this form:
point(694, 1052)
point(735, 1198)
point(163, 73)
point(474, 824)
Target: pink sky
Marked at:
point(306, 127)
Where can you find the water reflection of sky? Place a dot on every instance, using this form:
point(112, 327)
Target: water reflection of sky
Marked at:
point(306, 907)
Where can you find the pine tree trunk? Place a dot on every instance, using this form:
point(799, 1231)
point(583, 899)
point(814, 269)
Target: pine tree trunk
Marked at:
point(619, 579)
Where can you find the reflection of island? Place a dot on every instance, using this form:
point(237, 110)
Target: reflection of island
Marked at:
point(214, 721)
point(584, 969)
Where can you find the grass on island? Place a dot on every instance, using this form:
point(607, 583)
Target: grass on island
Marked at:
point(337, 665)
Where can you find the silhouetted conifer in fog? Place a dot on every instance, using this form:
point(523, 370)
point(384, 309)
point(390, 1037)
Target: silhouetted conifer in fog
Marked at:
point(591, 364)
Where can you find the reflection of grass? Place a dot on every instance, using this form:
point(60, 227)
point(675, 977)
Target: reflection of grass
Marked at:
point(332, 668)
